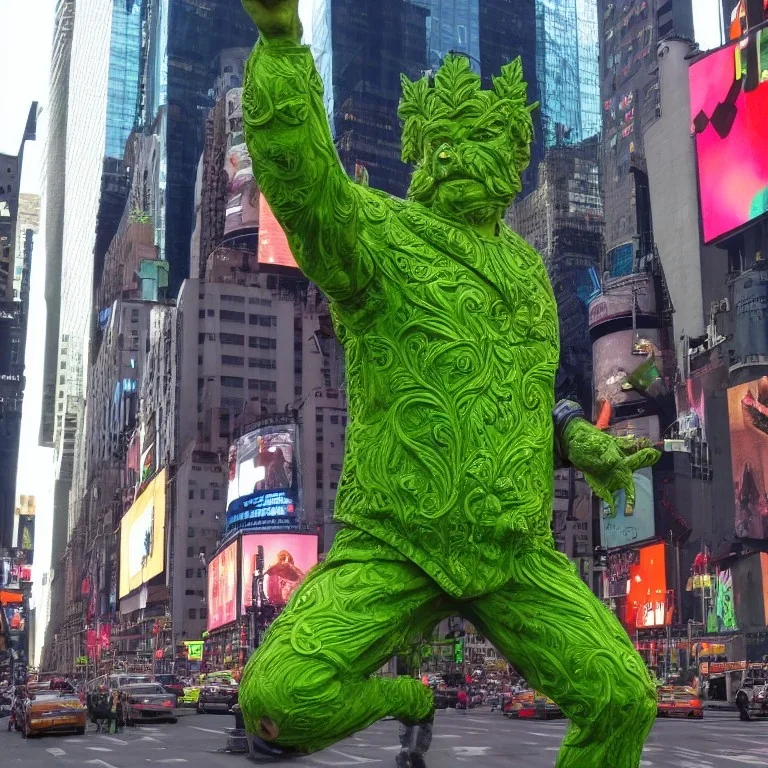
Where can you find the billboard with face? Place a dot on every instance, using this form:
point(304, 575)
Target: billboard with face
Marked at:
point(729, 101)
point(142, 537)
point(262, 477)
point(748, 420)
point(281, 559)
point(222, 588)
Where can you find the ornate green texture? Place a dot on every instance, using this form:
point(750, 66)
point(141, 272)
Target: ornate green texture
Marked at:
point(450, 330)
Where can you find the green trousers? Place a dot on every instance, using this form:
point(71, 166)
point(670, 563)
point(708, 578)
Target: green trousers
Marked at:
point(311, 685)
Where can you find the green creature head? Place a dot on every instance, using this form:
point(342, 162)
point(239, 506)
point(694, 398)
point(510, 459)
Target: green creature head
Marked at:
point(469, 145)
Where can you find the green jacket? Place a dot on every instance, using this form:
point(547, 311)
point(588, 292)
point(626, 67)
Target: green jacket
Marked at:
point(451, 342)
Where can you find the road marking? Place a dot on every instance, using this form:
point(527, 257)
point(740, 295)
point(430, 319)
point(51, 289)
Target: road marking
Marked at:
point(470, 751)
point(544, 733)
point(102, 763)
point(115, 740)
point(148, 738)
point(56, 752)
point(206, 730)
point(99, 749)
point(168, 760)
point(446, 736)
point(350, 759)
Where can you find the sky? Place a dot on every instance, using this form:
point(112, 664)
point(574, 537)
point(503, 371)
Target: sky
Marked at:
point(24, 61)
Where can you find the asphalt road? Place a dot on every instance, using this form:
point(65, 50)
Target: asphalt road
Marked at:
point(477, 739)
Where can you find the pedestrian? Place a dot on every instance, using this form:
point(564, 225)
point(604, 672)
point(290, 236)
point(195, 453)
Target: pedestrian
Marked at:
point(462, 701)
point(415, 741)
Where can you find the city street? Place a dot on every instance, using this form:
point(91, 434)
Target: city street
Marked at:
point(479, 739)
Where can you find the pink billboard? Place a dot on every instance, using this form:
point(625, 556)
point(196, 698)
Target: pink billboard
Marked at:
point(222, 588)
point(282, 560)
point(273, 244)
point(729, 102)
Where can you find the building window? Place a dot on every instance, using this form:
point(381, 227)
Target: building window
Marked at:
point(262, 362)
point(263, 385)
point(202, 494)
point(232, 299)
point(233, 360)
point(189, 573)
point(134, 315)
point(229, 316)
point(232, 381)
point(191, 532)
point(334, 419)
point(200, 573)
point(216, 494)
point(318, 418)
point(235, 339)
point(201, 314)
point(265, 321)
point(210, 313)
point(191, 494)
point(319, 504)
point(262, 342)
point(203, 613)
point(190, 551)
point(193, 612)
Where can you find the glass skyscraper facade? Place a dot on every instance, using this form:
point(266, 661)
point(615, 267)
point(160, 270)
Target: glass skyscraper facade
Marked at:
point(123, 86)
point(362, 47)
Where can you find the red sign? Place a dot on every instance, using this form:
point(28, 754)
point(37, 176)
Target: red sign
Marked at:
point(647, 601)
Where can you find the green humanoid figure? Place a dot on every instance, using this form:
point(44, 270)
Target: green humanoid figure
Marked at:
point(450, 329)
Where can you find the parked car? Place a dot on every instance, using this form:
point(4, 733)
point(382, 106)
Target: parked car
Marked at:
point(144, 702)
point(53, 712)
point(172, 684)
point(752, 697)
point(218, 694)
point(512, 705)
point(446, 698)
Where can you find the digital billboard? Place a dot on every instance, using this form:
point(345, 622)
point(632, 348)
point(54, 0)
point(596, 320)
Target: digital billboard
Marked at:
point(748, 421)
point(627, 368)
point(222, 588)
point(25, 539)
point(142, 537)
point(647, 604)
point(283, 559)
point(729, 101)
point(242, 211)
point(273, 244)
point(630, 526)
point(261, 488)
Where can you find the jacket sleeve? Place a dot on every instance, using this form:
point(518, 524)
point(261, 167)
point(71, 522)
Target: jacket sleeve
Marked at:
point(298, 170)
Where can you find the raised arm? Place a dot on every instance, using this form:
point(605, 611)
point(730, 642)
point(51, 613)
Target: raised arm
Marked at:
point(294, 158)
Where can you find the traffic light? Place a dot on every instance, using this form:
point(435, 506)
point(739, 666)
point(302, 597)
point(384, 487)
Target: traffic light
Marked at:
point(458, 650)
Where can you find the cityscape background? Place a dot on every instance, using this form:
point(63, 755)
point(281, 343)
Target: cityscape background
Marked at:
point(160, 284)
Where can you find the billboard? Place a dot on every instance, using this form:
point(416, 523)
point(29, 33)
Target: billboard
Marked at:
point(619, 297)
point(729, 101)
point(750, 300)
point(25, 539)
point(634, 525)
point(222, 588)
point(273, 244)
point(627, 368)
point(283, 559)
point(142, 537)
point(242, 211)
point(261, 488)
point(647, 604)
point(748, 422)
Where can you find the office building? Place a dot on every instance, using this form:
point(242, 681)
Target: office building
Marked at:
point(16, 232)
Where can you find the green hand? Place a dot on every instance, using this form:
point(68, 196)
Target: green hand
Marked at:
point(276, 19)
point(608, 462)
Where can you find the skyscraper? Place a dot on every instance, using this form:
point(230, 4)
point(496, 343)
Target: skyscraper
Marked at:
point(363, 46)
point(14, 310)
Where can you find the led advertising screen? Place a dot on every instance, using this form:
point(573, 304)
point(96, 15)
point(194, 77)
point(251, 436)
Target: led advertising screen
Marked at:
point(222, 588)
point(647, 604)
point(142, 537)
point(25, 539)
point(630, 526)
point(283, 559)
point(273, 244)
point(729, 102)
point(261, 487)
point(748, 421)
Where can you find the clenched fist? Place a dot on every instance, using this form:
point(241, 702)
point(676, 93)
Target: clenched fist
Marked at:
point(276, 19)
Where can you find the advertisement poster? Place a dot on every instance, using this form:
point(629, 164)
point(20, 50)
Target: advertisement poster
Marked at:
point(222, 588)
point(273, 244)
point(262, 474)
point(25, 539)
point(748, 421)
point(647, 590)
point(750, 301)
point(283, 559)
point(242, 211)
point(729, 102)
point(194, 649)
point(627, 368)
point(632, 526)
point(142, 537)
